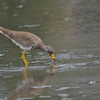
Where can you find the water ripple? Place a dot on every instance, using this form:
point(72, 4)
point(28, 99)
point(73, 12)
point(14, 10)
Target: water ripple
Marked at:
point(43, 86)
point(44, 97)
point(2, 55)
point(66, 88)
point(63, 95)
point(28, 98)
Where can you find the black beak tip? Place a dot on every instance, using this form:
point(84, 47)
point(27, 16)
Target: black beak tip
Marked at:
point(53, 60)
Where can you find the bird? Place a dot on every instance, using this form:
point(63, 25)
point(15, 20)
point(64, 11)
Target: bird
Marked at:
point(27, 42)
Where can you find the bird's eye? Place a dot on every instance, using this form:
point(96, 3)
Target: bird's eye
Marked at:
point(50, 52)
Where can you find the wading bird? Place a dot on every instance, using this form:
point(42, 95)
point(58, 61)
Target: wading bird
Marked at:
point(27, 41)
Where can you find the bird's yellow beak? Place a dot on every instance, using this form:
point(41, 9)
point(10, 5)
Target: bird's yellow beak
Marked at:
point(52, 56)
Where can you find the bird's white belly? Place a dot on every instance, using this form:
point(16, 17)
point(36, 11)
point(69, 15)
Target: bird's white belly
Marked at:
point(22, 47)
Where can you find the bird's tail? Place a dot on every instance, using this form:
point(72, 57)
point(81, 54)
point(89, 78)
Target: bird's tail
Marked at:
point(6, 32)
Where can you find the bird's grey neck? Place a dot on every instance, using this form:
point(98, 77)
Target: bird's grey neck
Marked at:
point(44, 48)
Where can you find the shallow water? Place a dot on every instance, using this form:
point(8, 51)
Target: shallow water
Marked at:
point(71, 27)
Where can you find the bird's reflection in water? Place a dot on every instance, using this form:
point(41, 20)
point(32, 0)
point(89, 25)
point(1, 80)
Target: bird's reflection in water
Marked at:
point(30, 87)
point(25, 72)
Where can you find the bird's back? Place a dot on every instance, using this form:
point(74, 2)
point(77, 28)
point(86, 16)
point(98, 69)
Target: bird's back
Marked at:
point(22, 39)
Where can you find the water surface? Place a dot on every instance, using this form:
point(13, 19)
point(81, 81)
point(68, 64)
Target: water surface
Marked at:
point(71, 27)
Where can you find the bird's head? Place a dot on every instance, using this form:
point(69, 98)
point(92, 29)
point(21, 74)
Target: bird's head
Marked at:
point(50, 51)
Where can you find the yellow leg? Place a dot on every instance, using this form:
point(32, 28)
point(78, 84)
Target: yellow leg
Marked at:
point(24, 59)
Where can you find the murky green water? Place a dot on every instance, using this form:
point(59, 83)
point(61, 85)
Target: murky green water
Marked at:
point(72, 27)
